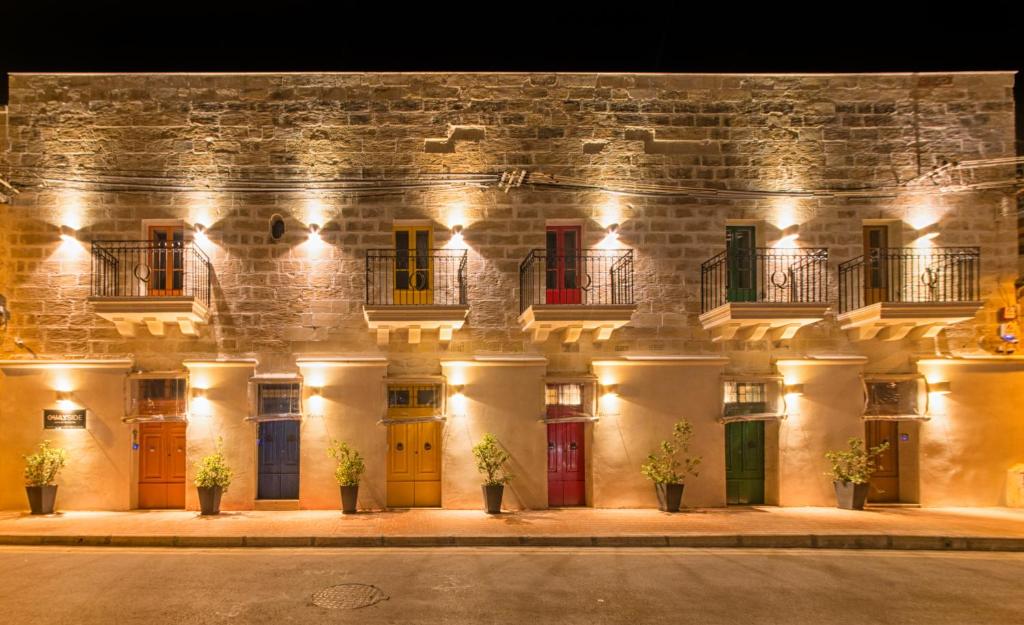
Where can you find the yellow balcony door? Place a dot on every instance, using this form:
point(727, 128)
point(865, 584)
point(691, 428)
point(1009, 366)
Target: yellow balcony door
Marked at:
point(414, 280)
point(414, 448)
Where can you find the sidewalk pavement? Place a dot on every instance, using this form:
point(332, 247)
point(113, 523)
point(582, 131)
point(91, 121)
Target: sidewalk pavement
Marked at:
point(979, 529)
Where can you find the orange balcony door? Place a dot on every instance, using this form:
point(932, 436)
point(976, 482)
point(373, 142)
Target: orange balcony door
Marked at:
point(166, 260)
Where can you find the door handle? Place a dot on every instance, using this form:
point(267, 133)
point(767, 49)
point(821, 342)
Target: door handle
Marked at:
point(427, 447)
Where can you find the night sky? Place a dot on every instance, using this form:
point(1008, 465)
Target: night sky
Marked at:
point(42, 35)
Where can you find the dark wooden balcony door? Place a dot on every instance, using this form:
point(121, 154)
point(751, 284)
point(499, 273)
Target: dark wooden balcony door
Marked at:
point(741, 252)
point(413, 266)
point(162, 465)
point(876, 261)
point(279, 460)
point(166, 260)
point(566, 463)
point(885, 481)
point(563, 265)
point(744, 462)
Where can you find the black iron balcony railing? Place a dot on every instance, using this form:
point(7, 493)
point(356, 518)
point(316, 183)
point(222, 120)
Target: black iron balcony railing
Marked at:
point(150, 269)
point(416, 278)
point(767, 275)
point(588, 278)
point(937, 274)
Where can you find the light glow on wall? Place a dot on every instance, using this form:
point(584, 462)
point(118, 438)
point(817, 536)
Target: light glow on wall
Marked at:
point(200, 405)
point(315, 403)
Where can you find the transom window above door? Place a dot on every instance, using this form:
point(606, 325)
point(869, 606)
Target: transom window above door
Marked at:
point(278, 399)
point(158, 397)
point(413, 396)
point(745, 398)
point(890, 398)
point(564, 395)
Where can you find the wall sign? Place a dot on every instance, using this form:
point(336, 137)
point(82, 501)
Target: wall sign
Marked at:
point(63, 419)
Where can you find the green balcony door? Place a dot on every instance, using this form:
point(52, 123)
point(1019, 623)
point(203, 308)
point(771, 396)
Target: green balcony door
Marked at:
point(744, 462)
point(741, 281)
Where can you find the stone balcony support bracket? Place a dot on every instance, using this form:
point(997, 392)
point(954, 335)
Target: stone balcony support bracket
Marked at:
point(155, 313)
point(542, 319)
point(385, 319)
point(757, 321)
point(894, 321)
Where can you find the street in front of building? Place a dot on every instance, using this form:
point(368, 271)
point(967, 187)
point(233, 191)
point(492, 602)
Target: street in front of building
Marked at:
point(124, 586)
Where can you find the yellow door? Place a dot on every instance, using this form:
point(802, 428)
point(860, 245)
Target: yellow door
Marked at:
point(414, 280)
point(414, 448)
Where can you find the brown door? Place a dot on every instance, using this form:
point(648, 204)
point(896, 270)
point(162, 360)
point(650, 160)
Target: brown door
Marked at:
point(885, 481)
point(166, 260)
point(162, 465)
point(876, 264)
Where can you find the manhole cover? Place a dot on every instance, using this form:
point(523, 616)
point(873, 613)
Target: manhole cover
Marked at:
point(348, 596)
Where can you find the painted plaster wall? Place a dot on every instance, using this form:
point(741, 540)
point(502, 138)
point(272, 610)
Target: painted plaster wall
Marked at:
point(976, 435)
point(99, 470)
point(227, 391)
point(651, 398)
point(506, 400)
point(353, 404)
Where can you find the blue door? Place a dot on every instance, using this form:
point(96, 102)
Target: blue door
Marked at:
point(279, 460)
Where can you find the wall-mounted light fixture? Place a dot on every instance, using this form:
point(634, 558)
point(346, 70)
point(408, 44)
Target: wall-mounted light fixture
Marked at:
point(609, 389)
point(315, 403)
point(939, 388)
point(612, 229)
point(791, 231)
point(793, 389)
point(314, 228)
point(928, 232)
point(199, 228)
point(200, 405)
point(457, 388)
point(68, 233)
point(456, 230)
point(65, 399)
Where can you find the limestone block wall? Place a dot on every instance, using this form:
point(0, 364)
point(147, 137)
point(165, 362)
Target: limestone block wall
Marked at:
point(723, 131)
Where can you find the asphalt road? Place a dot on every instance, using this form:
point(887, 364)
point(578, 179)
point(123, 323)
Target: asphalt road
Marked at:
point(84, 586)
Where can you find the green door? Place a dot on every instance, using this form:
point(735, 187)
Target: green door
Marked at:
point(741, 252)
point(744, 462)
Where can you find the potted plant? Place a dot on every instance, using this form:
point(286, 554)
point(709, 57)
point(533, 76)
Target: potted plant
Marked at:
point(667, 471)
point(41, 469)
point(213, 476)
point(350, 469)
point(851, 471)
point(490, 461)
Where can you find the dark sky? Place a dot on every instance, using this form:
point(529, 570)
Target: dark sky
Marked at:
point(715, 36)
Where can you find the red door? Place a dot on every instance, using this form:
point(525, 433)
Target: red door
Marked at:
point(563, 265)
point(566, 474)
point(162, 465)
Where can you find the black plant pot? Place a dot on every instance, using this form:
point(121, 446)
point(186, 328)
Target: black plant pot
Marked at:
point(41, 498)
point(492, 498)
point(669, 496)
point(349, 496)
point(850, 496)
point(209, 499)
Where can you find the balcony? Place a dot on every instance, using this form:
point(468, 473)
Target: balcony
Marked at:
point(745, 294)
point(151, 284)
point(590, 290)
point(891, 292)
point(415, 291)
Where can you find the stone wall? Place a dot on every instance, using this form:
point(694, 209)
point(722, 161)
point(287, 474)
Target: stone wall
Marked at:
point(273, 300)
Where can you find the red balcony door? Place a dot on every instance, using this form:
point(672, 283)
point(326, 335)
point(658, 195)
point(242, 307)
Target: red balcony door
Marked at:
point(566, 461)
point(166, 260)
point(563, 265)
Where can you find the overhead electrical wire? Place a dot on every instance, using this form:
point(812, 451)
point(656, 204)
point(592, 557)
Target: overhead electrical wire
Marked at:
point(949, 177)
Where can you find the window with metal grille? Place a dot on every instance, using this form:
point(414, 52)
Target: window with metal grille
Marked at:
point(159, 396)
point(279, 399)
point(892, 397)
point(745, 398)
point(564, 395)
point(413, 396)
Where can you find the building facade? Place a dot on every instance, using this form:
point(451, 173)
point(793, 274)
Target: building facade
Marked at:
point(572, 262)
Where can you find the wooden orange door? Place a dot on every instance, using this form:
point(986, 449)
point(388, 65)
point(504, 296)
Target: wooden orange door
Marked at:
point(876, 264)
point(885, 481)
point(166, 260)
point(162, 465)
